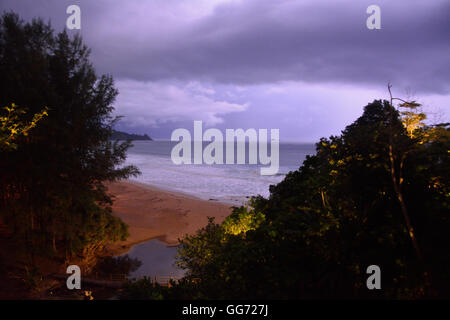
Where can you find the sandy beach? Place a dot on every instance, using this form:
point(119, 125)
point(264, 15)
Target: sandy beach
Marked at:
point(154, 213)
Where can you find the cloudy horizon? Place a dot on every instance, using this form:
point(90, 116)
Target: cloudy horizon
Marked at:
point(305, 67)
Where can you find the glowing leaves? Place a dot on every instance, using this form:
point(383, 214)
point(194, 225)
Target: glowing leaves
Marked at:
point(12, 126)
point(242, 220)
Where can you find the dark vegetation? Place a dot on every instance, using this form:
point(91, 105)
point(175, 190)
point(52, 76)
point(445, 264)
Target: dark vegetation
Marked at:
point(55, 148)
point(117, 265)
point(339, 213)
point(120, 135)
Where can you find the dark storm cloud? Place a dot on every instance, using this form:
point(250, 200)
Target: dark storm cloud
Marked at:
point(306, 67)
point(266, 41)
point(335, 46)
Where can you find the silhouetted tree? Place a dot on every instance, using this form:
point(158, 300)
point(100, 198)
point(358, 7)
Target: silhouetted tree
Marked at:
point(52, 187)
point(325, 223)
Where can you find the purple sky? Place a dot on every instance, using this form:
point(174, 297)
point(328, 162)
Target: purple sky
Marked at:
point(305, 67)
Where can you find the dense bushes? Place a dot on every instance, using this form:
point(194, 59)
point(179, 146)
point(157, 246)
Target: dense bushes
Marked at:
point(325, 223)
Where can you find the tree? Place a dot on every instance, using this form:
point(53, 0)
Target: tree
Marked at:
point(12, 127)
point(411, 122)
point(326, 222)
point(52, 190)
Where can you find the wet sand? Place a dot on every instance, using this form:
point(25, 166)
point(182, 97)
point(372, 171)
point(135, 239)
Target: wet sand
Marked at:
point(154, 213)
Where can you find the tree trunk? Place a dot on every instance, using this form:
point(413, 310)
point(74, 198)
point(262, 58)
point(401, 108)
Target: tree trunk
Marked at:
point(398, 192)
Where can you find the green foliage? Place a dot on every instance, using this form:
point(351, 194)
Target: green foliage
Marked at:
point(325, 223)
point(241, 220)
point(52, 190)
point(120, 135)
point(145, 289)
point(411, 119)
point(11, 125)
point(142, 289)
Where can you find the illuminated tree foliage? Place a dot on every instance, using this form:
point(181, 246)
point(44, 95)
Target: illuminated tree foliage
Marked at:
point(12, 127)
point(326, 222)
point(51, 186)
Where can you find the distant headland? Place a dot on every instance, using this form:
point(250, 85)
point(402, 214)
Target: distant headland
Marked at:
point(120, 135)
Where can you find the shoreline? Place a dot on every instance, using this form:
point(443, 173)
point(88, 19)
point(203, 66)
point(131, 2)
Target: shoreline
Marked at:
point(230, 202)
point(154, 213)
point(177, 193)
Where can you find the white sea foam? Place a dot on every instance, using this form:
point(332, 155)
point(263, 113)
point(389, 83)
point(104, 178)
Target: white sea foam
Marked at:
point(229, 183)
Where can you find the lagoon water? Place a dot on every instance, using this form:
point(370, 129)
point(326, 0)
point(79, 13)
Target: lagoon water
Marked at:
point(157, 260)
point(228, 183)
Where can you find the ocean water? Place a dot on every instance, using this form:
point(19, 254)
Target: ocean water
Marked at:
point(227, 183)
point(231, 183)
